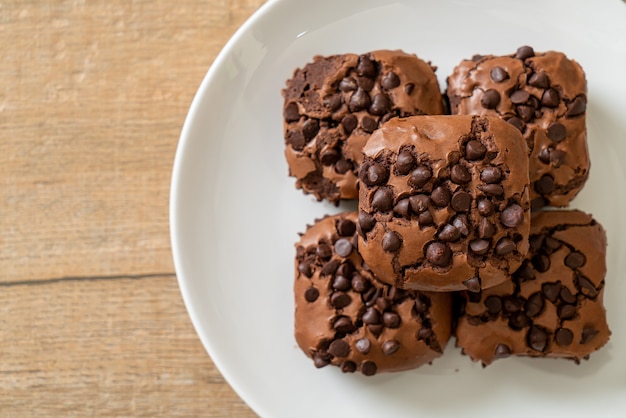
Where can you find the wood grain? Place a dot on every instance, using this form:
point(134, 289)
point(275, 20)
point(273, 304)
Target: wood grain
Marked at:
point(92, 99)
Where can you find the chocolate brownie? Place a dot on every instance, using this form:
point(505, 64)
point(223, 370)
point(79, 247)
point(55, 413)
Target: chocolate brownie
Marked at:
point(553, 306)
point(443, 202)
point(334, 103)
point(544, 95)
point(347, 318)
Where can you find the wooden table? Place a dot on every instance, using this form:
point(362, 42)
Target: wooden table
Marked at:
point(92, 99)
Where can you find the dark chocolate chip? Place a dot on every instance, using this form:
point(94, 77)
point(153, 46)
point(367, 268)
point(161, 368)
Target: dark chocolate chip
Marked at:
point(438, 253)
point(408, 88)
point(373, 173)
point(539, 80)
point(323, 251)
point(493, 304)
point(296, 140)
point(346, 269)
point(567, 296)
point(329, 156)
point(461, 223)
point(472, 284)
point(524, 52)
point(310, 128)
point(526, 113)
point(556, 131)
point(380, 104)
point(419, 203)
point(551, 98)
point(544, 155)
point(359, 100)
point(311, 294)
point(545, 184)
point(541, 262)
point(576, 107)
point(305, 268)
point(480, 246)
point(365, 83)
point(519, 97)
point(575, 259)
point(405, 162)
point(339, 348)
point(490, 99)
point(348, 366)
point(491, 175)
point(421, 304)
point(502, 351)
point(366, 67)
point(368, 124)
point(366, 221)
point(586, 287)
point(563, 337)
point(536, 104)
point(519, 320)
point(551, 291)
point(534, 304)
point(424, 333)
point(343, 247)
point(349, 123)
point(359, 284)
point(342, 283)
point(346, 228)
point(344, 324)
point(485, 207)
point(390, 347)
point(330, 267)
point(390, 80)
point(333, 102)
point(474, 150)
point(420, 176)
point(371, 316)
point(291, 113)
point(486, 229)
point(517, 122)
point(512, 304)
point(320, 361)
point(368, 368)
point(495, 190)
point(566, 311)
point(461, 201)
point(537, 338)
point(391, 241)
point(498, 74)
point(340, 300)
point(363, 345)
point(525, 272)
point(459, 174)
point(382, 200)
point(536, 242)
point(347, 84)
point(449, 233)
point(391, 319)
point(512, 216)
point(505, 246)
point(556, 157)
point(425, 218)
point(440, 196)
point(403, 207)
point(588, 335)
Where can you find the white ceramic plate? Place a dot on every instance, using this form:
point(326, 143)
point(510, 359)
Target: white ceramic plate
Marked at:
point(235, 213)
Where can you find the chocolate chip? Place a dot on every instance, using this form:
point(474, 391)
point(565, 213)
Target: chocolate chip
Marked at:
point(419, 202)
point(332, 102)
point(425, 218)
point(519, 97)
point(359, 100)
point(359, 284)
point(391, 319)
point(305, 268)
point(343, 247)
point(541, 262)
point(586, 287)
point(329, 156)
point(438, 253)
point(346, 269)
point(551, 291)
point(291, 113)
point(493, 304)
point(408, 88)
point(526, 113)
point(382, 200)
point(311, 294)
point(461, 223)
point(575, 259)
point(512, 304)
point(556, 157)
point(368, 368)
point(485, 207)
point(390, 347)
point(440, 196)
point(342, 283)
point(525, 272)
point(490, 99)
point(323, 251)
point(421, 304)
point(486, 229)
point(339, 348)
point(505, 246)
point(371, 316)
point(524, 52)
point(424, 334)
point(567, 296)
point(474, 150)
point(366, 67)
point(479, 246)
point(461, 201)
point(576, 107)
point(491, 175)
point(495, 190)
point(534, 304)
point(459, 174)
point(545, 184)
point(536, 242)
point(537, 338)
point(391, 241)
point(348, 366)
point(380, 104)
point(449, 233)
point(563, 337)
point(556, 131)
point(512, 216)
point(517, 122)
point(366, 221)
point(566, 311)
point(310, 128)
point(539, 80)
point(320, 361)
point(370, 296)
point(349, 123)
point(419, 176)
point(344, 324)
point(368, 124)
point(519, 321)
point(365, 83)
point(347, 84)
point(544, 155)
point(498, 74)
point(330, 267)
point(588, 335)
point(340, 300)
point(403, 207)
point(405, 162)
point(502, 351)
point(363, 345)
point(373, 173)
point(472, 284)
point(390, 80)
point(551, 98)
